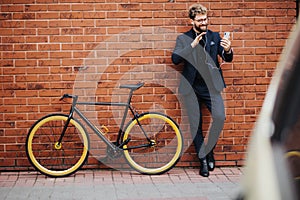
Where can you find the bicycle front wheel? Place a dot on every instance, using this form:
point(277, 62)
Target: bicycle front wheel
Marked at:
point(50, 157)
point(165, 150)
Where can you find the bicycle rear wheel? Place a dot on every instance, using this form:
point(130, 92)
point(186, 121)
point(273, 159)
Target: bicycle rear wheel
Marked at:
point(166, 136)
point(47, 155)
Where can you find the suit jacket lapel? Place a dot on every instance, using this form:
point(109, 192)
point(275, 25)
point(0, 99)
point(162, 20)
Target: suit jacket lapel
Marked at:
point(209, 41)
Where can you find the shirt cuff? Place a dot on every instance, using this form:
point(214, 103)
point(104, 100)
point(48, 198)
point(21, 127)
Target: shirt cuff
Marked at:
point(229, 52)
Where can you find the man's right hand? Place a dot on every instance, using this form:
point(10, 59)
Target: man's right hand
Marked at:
point(197, 39)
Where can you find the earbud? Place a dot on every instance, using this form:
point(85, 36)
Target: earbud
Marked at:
point(193, 23)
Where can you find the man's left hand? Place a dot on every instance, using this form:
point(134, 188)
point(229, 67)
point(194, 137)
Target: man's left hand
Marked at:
point(226, 44)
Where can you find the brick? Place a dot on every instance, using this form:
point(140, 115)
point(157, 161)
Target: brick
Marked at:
point(24, 16)
point(118, 15)
point(83, 38)
point(280, 27)
point(60, 39)
point(106, 7)
point(6, 16)
point(12, 8)
point(48, 47)
point(177, 6)
point(244, 36)
point(5, 163)
point(130, 22)
point(60, 54)
point(26, 109)
point(48, 31)
point(5, 31)
point(255, 43)
point(71, 15)
point(25, 47)
point(14, 55)
point(265, 51)
point(229, 13)
point(258, 12)
point(83, 23)
point(13, 39)
point(35, 7)
point(6, 47)
point(82, 7)
point(287, 5)
point(52, 15)
point(221, 6)
point(244, 20)
point(244, 51)
point(38, 86)
point(60, 23)
point(36, 24)
point(152, 7)
point(59, 7)
point(139, 14)
point(94, 15)
point(277, 43)
point(152, 22)
point(129, 7)
point(36, 55)
point(238, 156)
point(37, 39)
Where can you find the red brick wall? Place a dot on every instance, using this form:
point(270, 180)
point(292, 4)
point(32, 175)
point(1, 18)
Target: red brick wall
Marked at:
point(46, 43)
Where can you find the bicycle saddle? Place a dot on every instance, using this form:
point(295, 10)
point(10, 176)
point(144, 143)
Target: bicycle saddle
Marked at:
point(132, 86)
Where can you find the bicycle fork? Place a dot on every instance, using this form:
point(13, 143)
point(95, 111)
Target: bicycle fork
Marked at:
point(75, 98)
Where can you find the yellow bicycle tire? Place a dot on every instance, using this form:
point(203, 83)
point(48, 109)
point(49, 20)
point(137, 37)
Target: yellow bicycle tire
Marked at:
point(31, 154)
point(177, 153)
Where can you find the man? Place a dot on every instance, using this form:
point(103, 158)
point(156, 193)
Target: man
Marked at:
point(202, 82)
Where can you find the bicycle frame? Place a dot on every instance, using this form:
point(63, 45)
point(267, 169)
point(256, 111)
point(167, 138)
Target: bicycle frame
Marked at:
point(118, 145)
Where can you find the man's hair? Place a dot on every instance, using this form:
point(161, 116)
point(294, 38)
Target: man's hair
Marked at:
point(196, 9)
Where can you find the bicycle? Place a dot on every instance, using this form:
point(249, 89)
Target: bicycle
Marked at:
point(57, 145)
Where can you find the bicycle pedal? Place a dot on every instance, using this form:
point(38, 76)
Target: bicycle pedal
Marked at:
point(104, 129)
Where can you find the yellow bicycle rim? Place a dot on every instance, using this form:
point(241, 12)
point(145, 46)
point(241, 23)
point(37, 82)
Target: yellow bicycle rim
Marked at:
point(171, 162)
point(53, 172)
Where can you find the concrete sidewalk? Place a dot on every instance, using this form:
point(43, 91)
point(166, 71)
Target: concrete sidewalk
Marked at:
point(177, 184)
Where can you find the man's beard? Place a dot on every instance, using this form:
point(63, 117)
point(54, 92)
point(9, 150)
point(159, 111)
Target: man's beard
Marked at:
point(201, 28)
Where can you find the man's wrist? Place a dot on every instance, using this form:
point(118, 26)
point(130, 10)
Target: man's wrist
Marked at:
point(229, 51)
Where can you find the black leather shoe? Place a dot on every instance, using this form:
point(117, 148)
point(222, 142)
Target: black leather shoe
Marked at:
point(211, 161)
point(204, 168)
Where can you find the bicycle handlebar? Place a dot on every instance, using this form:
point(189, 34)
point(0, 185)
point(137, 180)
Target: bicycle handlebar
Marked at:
point(67, 96)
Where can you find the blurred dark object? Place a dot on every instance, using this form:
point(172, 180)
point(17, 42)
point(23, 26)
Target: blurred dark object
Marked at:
point(272, 169)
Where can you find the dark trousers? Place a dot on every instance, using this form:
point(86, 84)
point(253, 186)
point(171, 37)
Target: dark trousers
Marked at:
point(214, 102)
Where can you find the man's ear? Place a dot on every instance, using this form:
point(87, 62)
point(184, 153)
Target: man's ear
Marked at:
point(192, 21)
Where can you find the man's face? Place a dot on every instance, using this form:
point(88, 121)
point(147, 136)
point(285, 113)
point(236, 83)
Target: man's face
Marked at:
point(200, 23)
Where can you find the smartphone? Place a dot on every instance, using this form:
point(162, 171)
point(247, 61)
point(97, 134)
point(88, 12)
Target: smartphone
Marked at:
point(227, 35)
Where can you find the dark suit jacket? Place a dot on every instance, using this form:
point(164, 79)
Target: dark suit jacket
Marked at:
point(196, 59)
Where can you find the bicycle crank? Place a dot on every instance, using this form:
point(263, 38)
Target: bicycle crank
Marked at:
point(113, 153)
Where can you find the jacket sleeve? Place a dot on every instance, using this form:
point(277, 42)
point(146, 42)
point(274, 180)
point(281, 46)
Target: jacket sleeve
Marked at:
point(182, 50)
point(227, 57)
